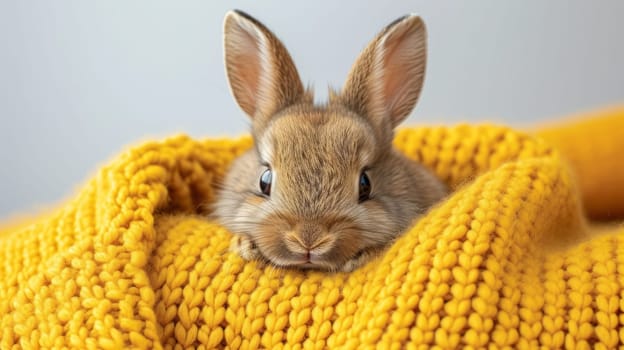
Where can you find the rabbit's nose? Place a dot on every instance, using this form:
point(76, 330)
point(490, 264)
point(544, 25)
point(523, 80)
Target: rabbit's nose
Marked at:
point(302, 243)
point(308, 245)
point(317, 244)
point(309, 234)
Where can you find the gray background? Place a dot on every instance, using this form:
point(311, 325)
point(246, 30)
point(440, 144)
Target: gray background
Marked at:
point(79, 80)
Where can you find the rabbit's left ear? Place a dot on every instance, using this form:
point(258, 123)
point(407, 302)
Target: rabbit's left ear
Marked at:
point(261, 73)
point(385, 81)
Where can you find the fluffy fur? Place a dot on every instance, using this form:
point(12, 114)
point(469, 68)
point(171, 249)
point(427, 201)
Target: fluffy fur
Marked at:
point(312, 218)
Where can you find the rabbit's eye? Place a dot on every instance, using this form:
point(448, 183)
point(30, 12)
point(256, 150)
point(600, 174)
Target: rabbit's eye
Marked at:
point(265, 182)
point(365, 187)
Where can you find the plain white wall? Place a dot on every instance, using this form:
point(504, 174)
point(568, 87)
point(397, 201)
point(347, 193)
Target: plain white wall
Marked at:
point(80, 80)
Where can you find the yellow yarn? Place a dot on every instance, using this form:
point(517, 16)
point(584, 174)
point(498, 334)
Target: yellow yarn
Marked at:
point(508, 261)
point(593, 144)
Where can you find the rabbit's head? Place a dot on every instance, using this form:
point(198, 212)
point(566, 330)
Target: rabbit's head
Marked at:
point(323, 185)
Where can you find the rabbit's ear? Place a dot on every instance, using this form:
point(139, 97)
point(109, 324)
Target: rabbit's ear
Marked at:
point(261, 73)
point(386, 79)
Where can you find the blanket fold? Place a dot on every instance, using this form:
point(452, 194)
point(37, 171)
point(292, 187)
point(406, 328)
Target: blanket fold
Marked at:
point(508, 260)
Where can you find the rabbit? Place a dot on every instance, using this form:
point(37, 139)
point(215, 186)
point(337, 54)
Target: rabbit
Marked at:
point(323, 188)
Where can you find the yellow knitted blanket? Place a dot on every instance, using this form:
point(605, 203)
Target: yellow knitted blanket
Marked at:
point(509, 260)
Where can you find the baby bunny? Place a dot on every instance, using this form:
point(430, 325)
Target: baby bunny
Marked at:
point(323, 187)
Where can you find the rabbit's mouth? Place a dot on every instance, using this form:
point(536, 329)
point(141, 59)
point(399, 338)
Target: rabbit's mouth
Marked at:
point(313, 261)
point(305, 262)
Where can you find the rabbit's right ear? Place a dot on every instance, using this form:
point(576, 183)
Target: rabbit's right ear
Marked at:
point(260, 71)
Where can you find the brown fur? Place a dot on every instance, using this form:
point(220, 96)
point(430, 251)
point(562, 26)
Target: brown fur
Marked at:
point(312, 218)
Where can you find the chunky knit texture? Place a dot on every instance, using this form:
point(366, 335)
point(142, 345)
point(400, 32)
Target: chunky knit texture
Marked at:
point(507, 261)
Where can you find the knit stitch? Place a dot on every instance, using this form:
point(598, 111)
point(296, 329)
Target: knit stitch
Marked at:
point(508, 260)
